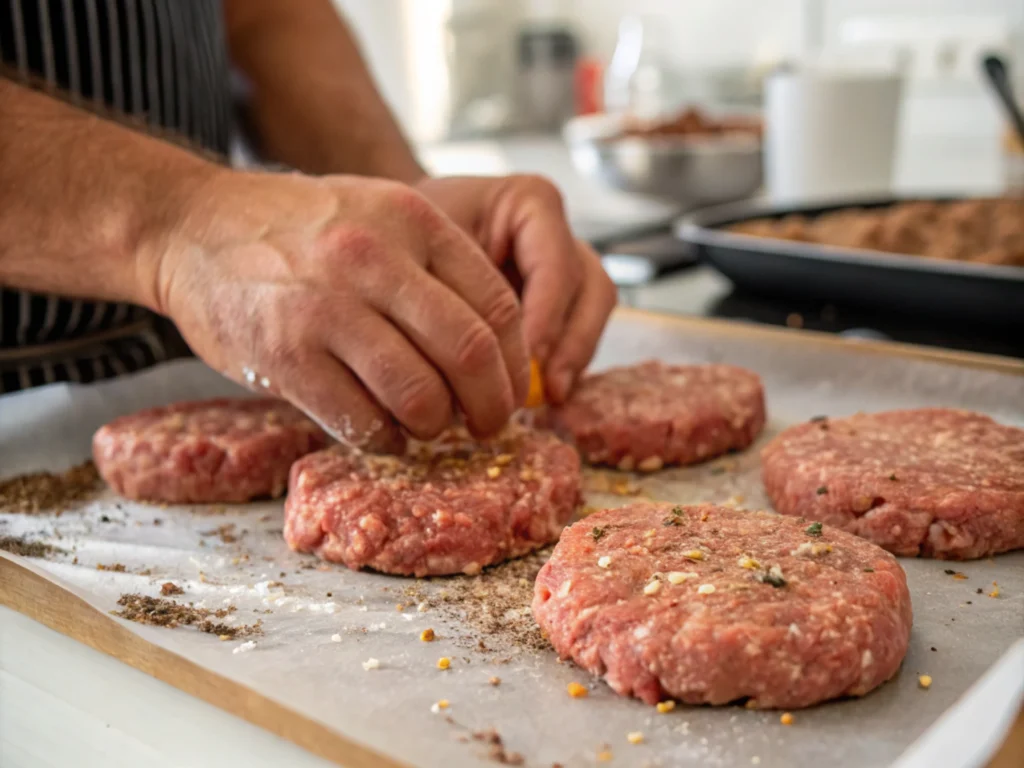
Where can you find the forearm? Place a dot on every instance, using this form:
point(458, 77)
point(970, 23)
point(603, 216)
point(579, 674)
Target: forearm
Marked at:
point(315, 106)
point(85, 203)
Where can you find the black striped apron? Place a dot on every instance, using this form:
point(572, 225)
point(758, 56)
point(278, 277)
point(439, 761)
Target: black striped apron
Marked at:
point(164, 61)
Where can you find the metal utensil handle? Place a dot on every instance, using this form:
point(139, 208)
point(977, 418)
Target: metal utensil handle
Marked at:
point(995, 69)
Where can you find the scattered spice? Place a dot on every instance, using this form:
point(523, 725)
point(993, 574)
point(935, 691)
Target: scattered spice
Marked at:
point(718, 470)
point(47, 492)
point(995, 590)
point(635, 737)
point(670, 521)
point(604, 756)
point(979, 591)
point(495, 681)
point(224, 532)
point(652, 587)
point(869, 570)
point(18, 545)
point(934, 648)
point(114, 567)
point(706, 589)
point(694, 554)
point(371, 664)
point(822, 490)
point(893, 477)
point(814, 529)
point(497, 751)
point(158, 612)
point(772, 576)
point(818, 418)
point(170, 588)
point(437, 706)
point(444, 662)
point(427, 635)
point(925, 681)
point(576, 690)
point(665, 707)
point(786, 718)
point(598, 532)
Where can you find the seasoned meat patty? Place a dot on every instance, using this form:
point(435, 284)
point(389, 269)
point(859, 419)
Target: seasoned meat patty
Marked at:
point(933, 481)
point(711, 605)
point(454, 506)
point(224, 450)
point(650, 415)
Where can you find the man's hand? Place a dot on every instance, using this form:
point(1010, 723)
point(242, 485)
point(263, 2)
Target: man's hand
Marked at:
point(520, 223)
point(354, 298)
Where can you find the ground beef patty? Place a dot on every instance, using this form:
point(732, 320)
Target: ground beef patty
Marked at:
point(454, 506)
point(649, 415)
point(932, 482)
point(224, 450)
point(711, 605)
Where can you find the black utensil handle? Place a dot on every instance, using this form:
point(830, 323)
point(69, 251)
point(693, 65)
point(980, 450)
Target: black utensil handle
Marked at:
point(999, 77)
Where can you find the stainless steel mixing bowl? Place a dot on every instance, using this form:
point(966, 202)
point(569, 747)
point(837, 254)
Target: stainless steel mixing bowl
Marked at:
point(690, 171)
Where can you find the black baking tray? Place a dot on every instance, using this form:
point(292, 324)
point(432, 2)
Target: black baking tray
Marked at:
point(890, 282)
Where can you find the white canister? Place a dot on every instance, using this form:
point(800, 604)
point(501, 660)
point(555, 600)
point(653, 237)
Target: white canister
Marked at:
point(830, 132)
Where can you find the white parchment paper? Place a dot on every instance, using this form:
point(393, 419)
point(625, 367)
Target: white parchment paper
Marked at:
point(297, 662)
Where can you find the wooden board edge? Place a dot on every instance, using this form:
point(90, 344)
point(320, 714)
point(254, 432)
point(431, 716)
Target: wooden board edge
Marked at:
point(1011, 753)
point(738, 328)
point(63, 611)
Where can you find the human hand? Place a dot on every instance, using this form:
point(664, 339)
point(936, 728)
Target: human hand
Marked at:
point(520, 223)
point(353, 298)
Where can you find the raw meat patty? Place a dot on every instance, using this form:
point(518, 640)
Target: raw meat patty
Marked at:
point(454, 506)
point(224, 450)
point(652, 414)
point(931, 482)
point(711, 605)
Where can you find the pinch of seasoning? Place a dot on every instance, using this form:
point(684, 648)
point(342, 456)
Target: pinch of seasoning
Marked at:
point(437, 706)
point(597, 532)
point(635, 737)
point(814, 529)
point(995, 590)
point(399, 607)
point(664, 707)
point(444, 662)
point(786, 718)
point(705, 589)
point(604, 561)
point(427, 635)
point(495, 681)
point(748, 562)
point(925, 681)
point(422, 607)
point(694, 554)
point(652, 587)
point(678, 577)
point(493, 472)
point(371, 664)
point(822, 490)
point(576, 690)
point(604, 756)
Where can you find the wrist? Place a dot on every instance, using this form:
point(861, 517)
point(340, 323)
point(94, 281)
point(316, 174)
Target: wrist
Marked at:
point(173, 220)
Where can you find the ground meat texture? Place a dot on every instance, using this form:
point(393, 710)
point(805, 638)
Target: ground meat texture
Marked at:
point(711, 605)
point(224, 450)
point(454, 506)
point(932, 482)
point(650, 415)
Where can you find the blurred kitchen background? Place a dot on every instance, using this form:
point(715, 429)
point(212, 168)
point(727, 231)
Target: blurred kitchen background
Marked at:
point(487, 86)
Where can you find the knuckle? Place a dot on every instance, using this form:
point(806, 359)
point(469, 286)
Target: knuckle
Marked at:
point(542, 187)
point(410, 204)
point(503, 311)
point(423, 406)
point(356, 246)
point(477, 348)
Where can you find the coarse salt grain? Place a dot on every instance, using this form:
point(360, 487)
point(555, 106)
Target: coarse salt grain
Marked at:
point(604, 561)
point(652, 588)
point(437, 706)
point(335, 638)
point(371, 664)
point(694, 554)
point(748, 562)
point(705, 589)
point(678, 577)
point(248, 645)
point(422, 607)
point(635, 737)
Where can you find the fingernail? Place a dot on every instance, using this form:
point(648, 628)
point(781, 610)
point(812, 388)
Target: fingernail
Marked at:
point(560, 383)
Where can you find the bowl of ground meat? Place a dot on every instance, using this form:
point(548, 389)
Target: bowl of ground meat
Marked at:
point(691, 158)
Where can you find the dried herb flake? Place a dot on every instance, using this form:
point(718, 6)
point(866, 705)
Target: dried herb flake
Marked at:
point(814, 529)
point(597, 533)
point(822, 490)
